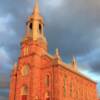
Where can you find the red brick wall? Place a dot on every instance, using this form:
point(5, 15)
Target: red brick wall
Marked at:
point(82, 89)
point(40, 65)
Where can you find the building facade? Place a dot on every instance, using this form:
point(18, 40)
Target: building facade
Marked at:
point(41, 76)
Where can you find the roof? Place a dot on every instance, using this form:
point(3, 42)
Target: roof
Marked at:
point(69, 67)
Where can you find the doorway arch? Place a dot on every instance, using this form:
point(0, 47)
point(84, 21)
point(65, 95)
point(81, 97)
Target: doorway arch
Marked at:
point(47, 96)
point(24, 92)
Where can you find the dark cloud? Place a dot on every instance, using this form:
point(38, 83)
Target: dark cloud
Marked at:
point(72, 26)
point(4, 86)
point(3, 98)
point(95, 66)
point(4, 94)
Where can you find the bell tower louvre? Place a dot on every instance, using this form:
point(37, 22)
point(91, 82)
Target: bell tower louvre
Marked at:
point(40, 76)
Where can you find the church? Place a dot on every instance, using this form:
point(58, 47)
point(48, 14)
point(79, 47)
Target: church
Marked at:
point(41, 76)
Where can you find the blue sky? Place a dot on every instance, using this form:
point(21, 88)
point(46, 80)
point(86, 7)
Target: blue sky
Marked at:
point(73, 26)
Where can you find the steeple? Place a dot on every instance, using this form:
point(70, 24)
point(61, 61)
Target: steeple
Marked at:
point(36, 7)
point(35, 26)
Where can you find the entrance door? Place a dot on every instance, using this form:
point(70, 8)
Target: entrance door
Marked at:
point(47, 98)
point(24, 92)
point(24, 97)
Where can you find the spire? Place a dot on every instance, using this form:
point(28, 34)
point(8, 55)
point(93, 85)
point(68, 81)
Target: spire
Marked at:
point(36, 7)
point(35, 27)
point(74, 63)
point(57, 54)
point(57, 59)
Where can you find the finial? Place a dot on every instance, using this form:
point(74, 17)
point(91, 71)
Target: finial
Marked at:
point(74, 63)
point(57, 53)
point(74, 60)
point(36, 7)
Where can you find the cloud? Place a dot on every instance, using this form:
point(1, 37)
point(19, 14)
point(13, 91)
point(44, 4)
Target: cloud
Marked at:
point(3, 94)
point(98, 88)
point(90, 61)
point(74, 26)
point(3, 55)
point(3, 98)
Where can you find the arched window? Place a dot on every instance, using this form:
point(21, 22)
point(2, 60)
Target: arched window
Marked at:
point(40, 28)
point(64, 86)
point(47, 80)
point(24, 92)
point(30, 27)
point(47, 96)
point(71, 88)
point(25, 70)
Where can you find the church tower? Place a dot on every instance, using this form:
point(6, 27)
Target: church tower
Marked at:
point(27, 76)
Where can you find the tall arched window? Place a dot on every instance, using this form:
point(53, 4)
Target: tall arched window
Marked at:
point(40, 28)
point(24, 92)
point(30, 26)
point(47, 80)
point(47, 96)
point(71, 88)
point(64, 86)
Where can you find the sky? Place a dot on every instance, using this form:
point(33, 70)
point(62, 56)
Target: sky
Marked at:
point(73, 26)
